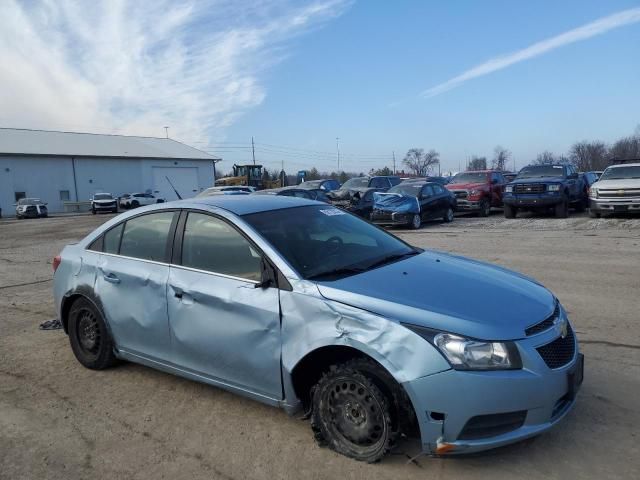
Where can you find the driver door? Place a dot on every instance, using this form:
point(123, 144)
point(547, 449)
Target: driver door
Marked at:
point(223, 325)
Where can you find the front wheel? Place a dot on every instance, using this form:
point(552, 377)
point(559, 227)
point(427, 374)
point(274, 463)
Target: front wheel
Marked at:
point(448, 216)
point(562, 209)
point(416, 222)
point(510, 211)
point(485, 208)
point(89, 337)
point(352, 415)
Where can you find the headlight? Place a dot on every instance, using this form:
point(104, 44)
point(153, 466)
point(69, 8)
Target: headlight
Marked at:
point(593, 192)
point(554, 187)
point(474, 192)
point(508, 188)
point(468, 354)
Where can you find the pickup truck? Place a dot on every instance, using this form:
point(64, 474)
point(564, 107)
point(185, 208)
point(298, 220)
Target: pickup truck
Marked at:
point(478, 191)
point(545, 187)
point(616, 191)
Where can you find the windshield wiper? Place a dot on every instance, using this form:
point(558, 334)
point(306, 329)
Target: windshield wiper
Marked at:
point(391, 258)
point(342, 271)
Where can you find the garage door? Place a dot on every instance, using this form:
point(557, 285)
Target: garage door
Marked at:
point(184, 179)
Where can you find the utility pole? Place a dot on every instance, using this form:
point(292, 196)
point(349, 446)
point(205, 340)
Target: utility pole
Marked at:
point(253, 150)
point(166, 131)
point(338, 151)
point(394, 162)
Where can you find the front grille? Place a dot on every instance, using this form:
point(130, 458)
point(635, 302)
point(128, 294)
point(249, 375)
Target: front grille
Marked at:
point(381, 215)
point(559, 352)
point(622, 193)
point(486, 426)
point(460, 193)
point(31, 209)
point(546, 324)
point(529, 188)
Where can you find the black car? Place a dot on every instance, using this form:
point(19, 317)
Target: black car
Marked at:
point(411, 203)
point(31, 208)
point(360, 202)
point(328, 185)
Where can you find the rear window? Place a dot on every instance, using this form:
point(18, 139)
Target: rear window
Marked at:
point(146, 236)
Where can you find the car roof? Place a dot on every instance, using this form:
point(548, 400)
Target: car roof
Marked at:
point(624, 165)
point(246, 204)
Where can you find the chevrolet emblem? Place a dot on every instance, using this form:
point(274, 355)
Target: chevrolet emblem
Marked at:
point(562, 327)
point(620, 192)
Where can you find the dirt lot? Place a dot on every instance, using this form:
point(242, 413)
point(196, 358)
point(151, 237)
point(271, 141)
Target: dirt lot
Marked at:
point(61, 421)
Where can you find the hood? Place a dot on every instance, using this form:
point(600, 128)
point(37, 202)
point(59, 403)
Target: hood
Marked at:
point(449, 293)
point(465, 186)
point(395, 202)
point(539, 180)
point(618, 183)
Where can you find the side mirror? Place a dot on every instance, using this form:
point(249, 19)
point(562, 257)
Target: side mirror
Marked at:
point(267, 275)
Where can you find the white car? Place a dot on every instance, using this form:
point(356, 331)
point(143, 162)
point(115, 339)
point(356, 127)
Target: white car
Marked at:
point(616, 191)
point(104, 202)
point(31, 208)
point(136, 200)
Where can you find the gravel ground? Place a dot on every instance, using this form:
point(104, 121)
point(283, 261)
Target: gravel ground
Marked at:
point(61, 421)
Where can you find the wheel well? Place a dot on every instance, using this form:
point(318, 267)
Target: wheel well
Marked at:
point(67, 302)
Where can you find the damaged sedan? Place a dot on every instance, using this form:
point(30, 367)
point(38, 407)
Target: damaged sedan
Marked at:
point(306, 307)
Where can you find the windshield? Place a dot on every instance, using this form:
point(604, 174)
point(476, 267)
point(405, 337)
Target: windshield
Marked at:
point(615, 173)
point(325, 243)
point(408, 189)
point(355, 182)
point(542, 171)
point(30, 201)
point(470, 177)
point(102, 196)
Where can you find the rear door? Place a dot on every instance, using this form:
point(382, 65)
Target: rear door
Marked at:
point(223, 325)
point(131, 283)
point(429, 207)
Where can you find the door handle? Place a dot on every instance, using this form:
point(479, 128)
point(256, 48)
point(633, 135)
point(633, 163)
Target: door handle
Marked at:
point(111, 278)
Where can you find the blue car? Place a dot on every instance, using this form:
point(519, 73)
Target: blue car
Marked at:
point(306, 307)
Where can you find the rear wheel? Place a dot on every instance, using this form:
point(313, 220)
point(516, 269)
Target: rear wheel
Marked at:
point(416, 222)
point(135, 204)
point(485, 208)
point(89, 337)
point(351, 414)
point(510, 211)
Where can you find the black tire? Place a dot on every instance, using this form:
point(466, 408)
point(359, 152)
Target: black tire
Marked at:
point(448, 216)
point(93, 210)
point(416, 222)
point(562, 209)
point(135, 204)
point(581, 206)
point(351, 414)
point(594, 214)
point(90, 340)
point(485, 208)
point(510, 211)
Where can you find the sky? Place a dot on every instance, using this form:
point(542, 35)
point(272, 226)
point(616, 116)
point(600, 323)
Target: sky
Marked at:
point(307, 79)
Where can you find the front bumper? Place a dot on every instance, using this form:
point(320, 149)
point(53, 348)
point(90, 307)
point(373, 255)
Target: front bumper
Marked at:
point(614, 206)
point(468, 205)
point(382, 217)
point(538, 200)
point(446, 402)
point(106, 207)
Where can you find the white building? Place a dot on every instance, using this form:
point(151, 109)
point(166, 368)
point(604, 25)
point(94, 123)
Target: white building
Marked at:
point(62, 166)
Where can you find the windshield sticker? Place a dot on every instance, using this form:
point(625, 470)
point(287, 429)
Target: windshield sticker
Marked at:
point(333, 211)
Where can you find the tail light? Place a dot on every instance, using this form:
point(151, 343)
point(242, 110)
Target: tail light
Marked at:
point(56, 262)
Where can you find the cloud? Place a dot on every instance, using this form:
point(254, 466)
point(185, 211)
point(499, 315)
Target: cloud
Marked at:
point(598, 27)
point(132, 67)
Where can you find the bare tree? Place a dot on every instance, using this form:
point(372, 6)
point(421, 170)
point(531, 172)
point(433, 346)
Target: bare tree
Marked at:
point(500, 158)
point(589, 155)
point(546, 158)
point(477, 163)
point(626, 148)
point(420, 162)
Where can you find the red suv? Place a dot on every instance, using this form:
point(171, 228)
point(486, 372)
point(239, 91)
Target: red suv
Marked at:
point(478, 191)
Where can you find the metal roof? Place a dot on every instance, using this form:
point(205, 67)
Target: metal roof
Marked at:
point(16, 141)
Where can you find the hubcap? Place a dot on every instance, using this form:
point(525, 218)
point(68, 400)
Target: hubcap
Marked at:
point(88, 331)
point(450, 215)
point(354, 413)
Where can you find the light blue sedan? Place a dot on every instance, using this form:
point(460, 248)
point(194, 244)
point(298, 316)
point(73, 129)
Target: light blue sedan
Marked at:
point(301, 305)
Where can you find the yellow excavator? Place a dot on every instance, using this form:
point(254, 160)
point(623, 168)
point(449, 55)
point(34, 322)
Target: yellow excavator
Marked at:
point(249, 175)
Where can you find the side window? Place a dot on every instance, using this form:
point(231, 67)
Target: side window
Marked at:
point(146, 236)
point(213, 245)
point(96, 245)
point(394, 181)
point(379, 182)
point(438, 189)
point(427, 191)
point(112, 239)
